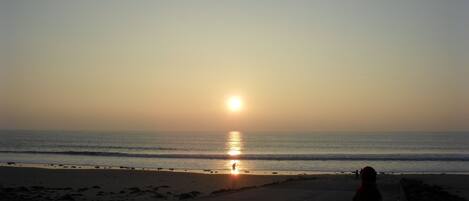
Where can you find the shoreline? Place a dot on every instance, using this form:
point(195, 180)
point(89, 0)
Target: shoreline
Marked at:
point(210, 171)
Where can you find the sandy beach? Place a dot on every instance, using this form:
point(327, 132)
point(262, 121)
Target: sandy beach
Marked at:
point(25, 183)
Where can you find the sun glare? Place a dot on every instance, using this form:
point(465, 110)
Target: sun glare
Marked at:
point(235, 104)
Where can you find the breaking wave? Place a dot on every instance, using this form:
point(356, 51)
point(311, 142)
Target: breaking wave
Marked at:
point(278, 157)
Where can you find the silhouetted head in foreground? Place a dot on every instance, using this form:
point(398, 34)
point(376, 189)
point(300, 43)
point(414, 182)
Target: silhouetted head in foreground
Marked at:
point(368, 190)
point(368, 175)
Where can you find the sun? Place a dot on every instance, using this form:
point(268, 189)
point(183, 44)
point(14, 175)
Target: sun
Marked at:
point(235, 104)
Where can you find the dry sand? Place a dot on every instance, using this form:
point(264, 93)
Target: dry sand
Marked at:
point(24, 183)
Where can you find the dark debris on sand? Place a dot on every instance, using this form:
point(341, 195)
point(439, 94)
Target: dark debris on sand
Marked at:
point(415, 190)
point(41, 193)
point(134, 190)
point(231, 190)
point(82, 189)
point(150, 192)
point(36, 193)
point(188, 195)
point(67, 197)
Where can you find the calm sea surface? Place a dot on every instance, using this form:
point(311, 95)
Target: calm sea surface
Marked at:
point(254, 152)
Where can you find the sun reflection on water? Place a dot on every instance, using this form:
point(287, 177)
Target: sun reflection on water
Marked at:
point(234, 146)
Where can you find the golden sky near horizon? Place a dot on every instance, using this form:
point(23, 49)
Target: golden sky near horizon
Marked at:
point(173, 65)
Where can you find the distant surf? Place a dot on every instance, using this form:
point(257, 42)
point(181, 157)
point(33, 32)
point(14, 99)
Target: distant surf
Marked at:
point(286, 157)
point(287, 151)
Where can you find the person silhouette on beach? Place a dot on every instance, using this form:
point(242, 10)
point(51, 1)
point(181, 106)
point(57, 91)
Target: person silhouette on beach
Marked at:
point(368, 190)
point(233, 166)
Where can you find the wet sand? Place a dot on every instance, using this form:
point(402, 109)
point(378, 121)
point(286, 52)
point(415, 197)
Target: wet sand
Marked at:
point(25, 183)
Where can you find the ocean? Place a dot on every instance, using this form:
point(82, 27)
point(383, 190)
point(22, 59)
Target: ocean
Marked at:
point(243, 152)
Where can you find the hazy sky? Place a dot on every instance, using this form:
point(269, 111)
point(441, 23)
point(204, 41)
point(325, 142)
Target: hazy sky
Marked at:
point(298, 65)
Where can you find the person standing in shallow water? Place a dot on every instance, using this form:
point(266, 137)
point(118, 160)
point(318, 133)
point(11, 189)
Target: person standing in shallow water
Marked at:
point(368, 190)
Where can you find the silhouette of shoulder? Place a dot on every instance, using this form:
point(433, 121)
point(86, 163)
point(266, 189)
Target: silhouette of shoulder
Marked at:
point(368, 194)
